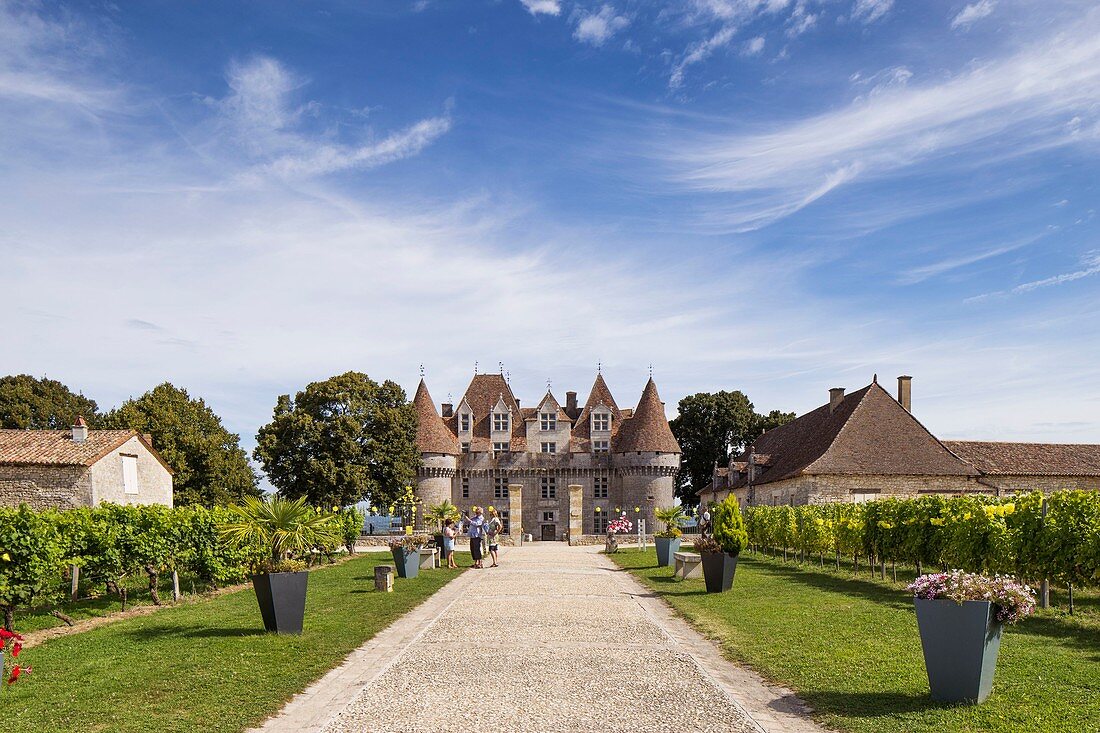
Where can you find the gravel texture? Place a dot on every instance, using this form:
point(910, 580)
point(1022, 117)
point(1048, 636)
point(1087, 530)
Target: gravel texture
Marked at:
point(553, 640)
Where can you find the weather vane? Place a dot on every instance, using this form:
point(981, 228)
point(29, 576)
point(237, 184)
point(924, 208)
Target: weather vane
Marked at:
point(421, 371)
point(548, 384)
point(475, 368)
point(599, 367)
point(508, 377)
point(501, 365)
point(651, 371)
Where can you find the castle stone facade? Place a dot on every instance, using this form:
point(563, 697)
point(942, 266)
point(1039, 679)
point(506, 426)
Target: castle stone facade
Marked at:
point(558, 471)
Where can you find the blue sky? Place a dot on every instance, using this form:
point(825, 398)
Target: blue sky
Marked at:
point(777, 196)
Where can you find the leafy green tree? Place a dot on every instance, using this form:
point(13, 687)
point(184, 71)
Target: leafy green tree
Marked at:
point(42, 404)
point(341, 441)
point(710, 428)
point(210, 466)
point(729, 526)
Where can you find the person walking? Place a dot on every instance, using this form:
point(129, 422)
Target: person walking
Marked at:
point(492, 533)
point(449, 534)
point(475, 528)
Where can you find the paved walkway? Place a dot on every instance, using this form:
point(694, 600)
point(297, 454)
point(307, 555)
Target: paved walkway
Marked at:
point(556, 639)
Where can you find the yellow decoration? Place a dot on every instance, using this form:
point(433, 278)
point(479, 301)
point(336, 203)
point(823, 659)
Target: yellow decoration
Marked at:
point(5, 557)
point(409, 529)
point(637, 510)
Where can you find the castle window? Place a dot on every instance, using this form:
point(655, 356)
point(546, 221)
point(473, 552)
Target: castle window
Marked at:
point(500, 421)
point(549, 421)
point(464, 422)
point(601, 446)
point(548, 516)
point(599, 487)
point(506, 521)
point(503, 447)
point(466, 446)
point(549, 447)
point(500, 488)
point(601, 422)
point(465, 487)
point(599, 522)
point(858, 497)
point(549, 487)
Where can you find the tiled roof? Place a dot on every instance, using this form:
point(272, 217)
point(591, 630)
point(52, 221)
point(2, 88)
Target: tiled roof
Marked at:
point(482, 395)
point(432, 436)
point(867, 433)
point(580, 438)
point(1029, 459)
point(57, 447)
point(647, 430)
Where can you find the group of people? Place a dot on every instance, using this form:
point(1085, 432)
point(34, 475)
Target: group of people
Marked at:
point(481, 531)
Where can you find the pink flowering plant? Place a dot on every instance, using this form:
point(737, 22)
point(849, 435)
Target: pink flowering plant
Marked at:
point(621, 525)
point(1011, 599)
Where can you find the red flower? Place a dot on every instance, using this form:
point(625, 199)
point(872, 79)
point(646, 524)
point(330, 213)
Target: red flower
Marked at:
point(5, 635)
point(15, 650)
point(16, 671)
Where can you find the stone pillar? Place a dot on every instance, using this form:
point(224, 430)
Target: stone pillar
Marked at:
point(515, 513)
point(576, 513)
point(383, 578)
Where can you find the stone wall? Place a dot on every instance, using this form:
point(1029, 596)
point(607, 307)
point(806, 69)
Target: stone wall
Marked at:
point(826, 489)
point(1046, 484)
point(154, 480)
point(42, 487)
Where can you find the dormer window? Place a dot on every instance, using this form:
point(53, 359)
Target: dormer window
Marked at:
point(464, 422)
point(500, 422)
point(601, 422)
point(549, 420)
point(601, 446)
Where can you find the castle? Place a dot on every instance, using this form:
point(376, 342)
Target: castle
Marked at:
point(558, 471)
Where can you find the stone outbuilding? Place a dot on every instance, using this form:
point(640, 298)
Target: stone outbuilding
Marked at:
point(868, 445)
point(81, 468)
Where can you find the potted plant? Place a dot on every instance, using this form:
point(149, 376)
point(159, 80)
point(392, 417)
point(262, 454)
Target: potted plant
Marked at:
point(406, 554)
point(278, 528)
point(618, 526)
point(440, 513)
point(719, 551)
point(668, 541)
point(960, 617)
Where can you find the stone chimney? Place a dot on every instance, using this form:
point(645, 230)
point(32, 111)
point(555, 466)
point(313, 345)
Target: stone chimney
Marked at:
point(80, 430)
point(905, 392)
point(836, 396)
point(448, 409)
point(571, 404)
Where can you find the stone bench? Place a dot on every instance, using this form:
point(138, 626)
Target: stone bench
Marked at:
point(688, 565)
point(429, 558)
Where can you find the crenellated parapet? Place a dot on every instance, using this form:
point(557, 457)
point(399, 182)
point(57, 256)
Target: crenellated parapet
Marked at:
point(435, 472)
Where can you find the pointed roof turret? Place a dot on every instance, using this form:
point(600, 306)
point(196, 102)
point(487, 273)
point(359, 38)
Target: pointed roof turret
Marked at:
point(432, 436)
point(647, 429)
point(599, 395)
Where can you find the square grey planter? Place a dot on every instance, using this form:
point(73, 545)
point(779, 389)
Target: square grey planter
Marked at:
point(666, 548)
point(718, 570)
point(960, 643)
point(282, 599)
point(407, 562)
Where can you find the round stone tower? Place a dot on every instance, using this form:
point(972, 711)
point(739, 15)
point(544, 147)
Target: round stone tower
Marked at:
point(439, 451)
point(647, 458)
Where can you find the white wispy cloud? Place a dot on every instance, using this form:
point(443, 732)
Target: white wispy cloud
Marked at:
point(595, 28)
point(545, 7)
point(924, 272)
point(753, 46)
point(1090, 265)
point(800, 21)
point(868, 11)
point(1014, 106)
point(973, 12)
point(698, 52)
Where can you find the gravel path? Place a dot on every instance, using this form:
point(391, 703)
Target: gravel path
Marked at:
point(558, 639)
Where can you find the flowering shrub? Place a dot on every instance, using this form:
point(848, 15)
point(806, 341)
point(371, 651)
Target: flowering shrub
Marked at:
point(621, 525)
point(1012, 600)
point(11, 644)
point(409, 542)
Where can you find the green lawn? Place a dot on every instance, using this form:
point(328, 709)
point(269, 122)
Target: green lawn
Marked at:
point(206, 665)
point(849, 646)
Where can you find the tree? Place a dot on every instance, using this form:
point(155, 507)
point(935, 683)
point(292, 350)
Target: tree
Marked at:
point(42, 404)
point(341, 441)
point(211, 468)
point(710, 428)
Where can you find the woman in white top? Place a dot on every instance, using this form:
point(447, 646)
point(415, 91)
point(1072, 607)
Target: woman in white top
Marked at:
point(492, 532)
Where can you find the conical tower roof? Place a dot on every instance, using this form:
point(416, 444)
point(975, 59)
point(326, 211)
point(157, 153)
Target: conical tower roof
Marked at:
point(647, 429)
point(432, 436)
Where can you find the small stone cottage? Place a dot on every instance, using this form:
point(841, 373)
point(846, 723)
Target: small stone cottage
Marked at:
point(81, 467)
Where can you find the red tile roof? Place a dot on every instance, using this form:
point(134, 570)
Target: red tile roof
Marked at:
point(432, 436)
point(580, 438)
point(57, 447)
point(647, 430)
point(1029, 459)
point(482, 395)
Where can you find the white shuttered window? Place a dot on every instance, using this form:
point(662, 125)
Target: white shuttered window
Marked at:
point(130, 475)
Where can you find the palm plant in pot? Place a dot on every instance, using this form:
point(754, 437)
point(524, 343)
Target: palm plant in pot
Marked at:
point(440, 513)
point(719, 551)
point(960, 617)
point(280, 529)
point(406, 554)
point(668, 540)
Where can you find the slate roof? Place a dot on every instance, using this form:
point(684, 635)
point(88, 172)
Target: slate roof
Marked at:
point(867, 433)
point(1029, 459)
point(432, 436)
point(57, 447)
point(482, 396)
point(647, 429)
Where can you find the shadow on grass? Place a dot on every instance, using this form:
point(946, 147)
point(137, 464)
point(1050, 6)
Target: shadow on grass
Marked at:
point(216, 633)
point(871, 704)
